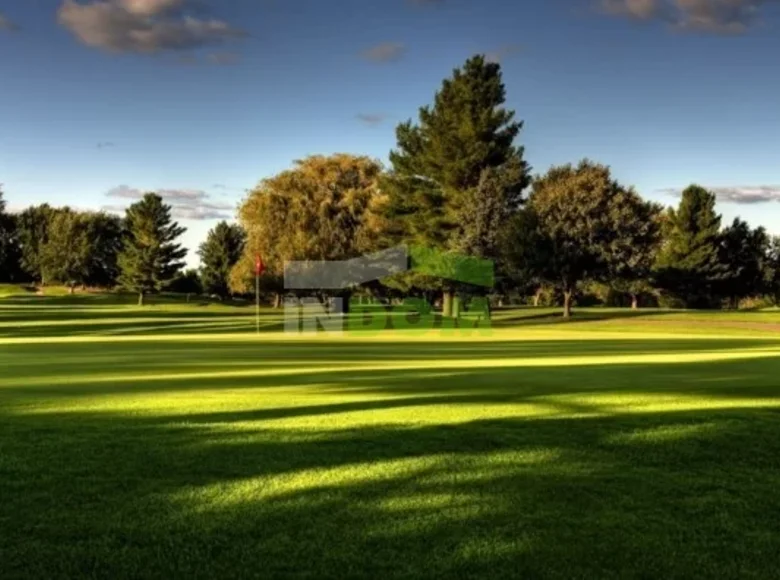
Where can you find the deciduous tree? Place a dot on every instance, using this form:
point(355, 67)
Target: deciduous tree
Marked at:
point(32, 231)
point(324, 208)
point(65, 255)
point(580, 224)
point(9, 246)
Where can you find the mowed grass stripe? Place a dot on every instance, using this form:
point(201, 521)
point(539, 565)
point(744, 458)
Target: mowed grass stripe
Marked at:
point(431, 364)
point(538, 451)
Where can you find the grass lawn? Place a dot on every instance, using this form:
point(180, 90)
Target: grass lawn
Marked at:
point(171, 441)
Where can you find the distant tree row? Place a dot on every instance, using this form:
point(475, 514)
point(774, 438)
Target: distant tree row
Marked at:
point(457, 183)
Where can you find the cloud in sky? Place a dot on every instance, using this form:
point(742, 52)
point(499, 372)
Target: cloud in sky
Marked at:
point(716, 16)
point(222, 58)
point(503, 52)
point(372, 118)
point(6, 24)
point(385, 52)
point(142, 26)
point(105, 145)
point(740, 194)
point(186, 204)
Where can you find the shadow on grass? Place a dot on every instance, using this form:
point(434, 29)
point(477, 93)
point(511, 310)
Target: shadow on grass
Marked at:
point(684, 493)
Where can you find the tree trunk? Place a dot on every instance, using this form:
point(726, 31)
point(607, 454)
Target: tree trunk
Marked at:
point(71, 289)
point(277, 300)
point(446, 303)
point(634, 302)
point(567, 294)
point(456, 303)
point(537, 297)
point(140, 299)
point(345, 302)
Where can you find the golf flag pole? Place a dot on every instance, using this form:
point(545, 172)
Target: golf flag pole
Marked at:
point(259, 267)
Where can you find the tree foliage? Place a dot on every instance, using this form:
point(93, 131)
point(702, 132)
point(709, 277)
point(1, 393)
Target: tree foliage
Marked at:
point(743, 254)
point(32, 232)
point(689, 264)
point(65, 254)
point(150, 257)
point(9, 246)
point(324, 208)
point(457, 175)
point(218, 255)
point(582, 224)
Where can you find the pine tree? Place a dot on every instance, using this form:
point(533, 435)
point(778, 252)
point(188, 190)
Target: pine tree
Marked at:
point(150, 258)
point(218, 254)
point(743, 253)
point(689, 265)
point(445, 170)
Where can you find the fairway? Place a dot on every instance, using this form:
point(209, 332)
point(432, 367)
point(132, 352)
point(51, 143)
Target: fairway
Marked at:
point(171, 441)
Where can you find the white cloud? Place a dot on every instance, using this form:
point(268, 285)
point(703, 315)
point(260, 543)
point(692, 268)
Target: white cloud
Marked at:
point(372, 118)
point(186, 204)
point(385, 52)
point(717, 16)
point(142, 26)
point(503, 52)
point(740, 194)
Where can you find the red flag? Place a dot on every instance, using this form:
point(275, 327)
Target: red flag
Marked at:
point(259, 266)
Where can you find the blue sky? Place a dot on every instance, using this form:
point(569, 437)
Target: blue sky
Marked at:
point(103, 99)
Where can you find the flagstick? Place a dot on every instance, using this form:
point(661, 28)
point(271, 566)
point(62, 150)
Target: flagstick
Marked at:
point(257, 301)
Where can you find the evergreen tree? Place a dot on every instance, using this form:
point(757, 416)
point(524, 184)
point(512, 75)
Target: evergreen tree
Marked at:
point(689, 265)
point(743, 253)
point(456, 174)
point(218, 254)
point(150, 258)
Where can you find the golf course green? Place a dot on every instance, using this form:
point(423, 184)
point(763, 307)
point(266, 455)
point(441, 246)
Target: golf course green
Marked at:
point(171, 441)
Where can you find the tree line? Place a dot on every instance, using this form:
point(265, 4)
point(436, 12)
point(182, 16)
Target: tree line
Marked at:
point(458, 182)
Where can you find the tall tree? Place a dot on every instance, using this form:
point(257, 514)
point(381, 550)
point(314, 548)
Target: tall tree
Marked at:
point(9, 246)
point(324, 208)
point(580, 224)
point(150, 257)
point(772, 270)
point(32, 231)
point(689, 264)
point(104, 235)
point(743, 253)
point(65, 254)
point(218, 254)
point(456, 173)
point(630, 256)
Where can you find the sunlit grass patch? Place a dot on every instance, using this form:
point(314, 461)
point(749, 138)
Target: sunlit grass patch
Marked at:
point(166, 443)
